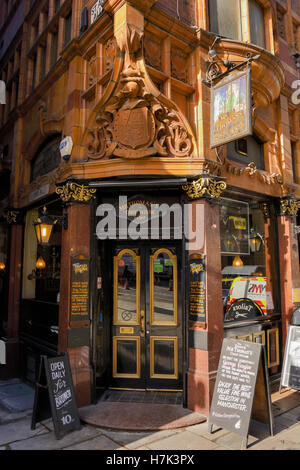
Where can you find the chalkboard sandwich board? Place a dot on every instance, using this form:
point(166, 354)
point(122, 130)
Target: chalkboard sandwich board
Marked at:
point(290, 376)
point(54, 395)
point(242, 389)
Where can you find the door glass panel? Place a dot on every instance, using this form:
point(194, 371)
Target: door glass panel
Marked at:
point(163, 357)
point(163, 284)
point(126, 287)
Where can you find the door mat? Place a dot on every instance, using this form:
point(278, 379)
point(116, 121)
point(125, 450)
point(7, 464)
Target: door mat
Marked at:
point(139, 416)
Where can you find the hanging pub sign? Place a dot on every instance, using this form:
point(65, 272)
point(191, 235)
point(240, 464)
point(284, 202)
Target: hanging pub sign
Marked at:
point(242, 389)
point(54, 395)
point(290, 376)
point(231, 109)
point(80, 286)
point(197, 290)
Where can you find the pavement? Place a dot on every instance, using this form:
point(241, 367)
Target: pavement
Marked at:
point(16, 403)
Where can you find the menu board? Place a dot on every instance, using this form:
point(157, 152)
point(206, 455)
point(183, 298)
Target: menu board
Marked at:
point(80, 285)
point(55, 395)
point(197, 290)
point(290, 376)
point(233, 405)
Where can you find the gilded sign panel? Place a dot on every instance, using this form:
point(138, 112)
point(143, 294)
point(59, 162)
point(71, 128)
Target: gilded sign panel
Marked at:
point(231, 111)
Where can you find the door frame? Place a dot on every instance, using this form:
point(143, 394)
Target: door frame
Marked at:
point(107, 249)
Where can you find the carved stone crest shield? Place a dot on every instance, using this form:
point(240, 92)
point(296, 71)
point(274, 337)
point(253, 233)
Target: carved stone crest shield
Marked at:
point(134, 128)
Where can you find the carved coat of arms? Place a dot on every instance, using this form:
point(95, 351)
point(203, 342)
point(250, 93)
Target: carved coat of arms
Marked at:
point(134, 122)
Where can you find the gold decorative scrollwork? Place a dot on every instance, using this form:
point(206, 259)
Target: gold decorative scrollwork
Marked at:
point(11, 217)
point(205, 186)
point(290, 207)
point(75, 192)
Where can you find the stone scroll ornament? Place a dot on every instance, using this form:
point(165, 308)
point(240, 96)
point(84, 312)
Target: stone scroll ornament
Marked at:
point(133, 120)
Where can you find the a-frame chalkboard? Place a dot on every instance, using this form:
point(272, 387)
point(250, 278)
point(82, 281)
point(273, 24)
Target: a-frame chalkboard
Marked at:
point(290, 375)
point(54, 395)
point(242, 389)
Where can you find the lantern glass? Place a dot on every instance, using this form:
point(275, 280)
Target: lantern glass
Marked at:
point(43, 232)
point(40, 264)
point(238, 262)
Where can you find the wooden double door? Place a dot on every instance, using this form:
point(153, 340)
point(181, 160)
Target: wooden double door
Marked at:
point(147, 318)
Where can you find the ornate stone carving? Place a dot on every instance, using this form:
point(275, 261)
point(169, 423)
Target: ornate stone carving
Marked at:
point(49, 125)
point(205, 186)
point(252, 171)
point(178, 65)
point(75, 192)
point(152, 51)
point(135, 121)
point(110, 54)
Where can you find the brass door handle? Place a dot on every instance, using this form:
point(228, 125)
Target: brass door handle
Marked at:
point(142, 323)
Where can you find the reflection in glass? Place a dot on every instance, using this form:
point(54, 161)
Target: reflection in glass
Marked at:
point(163, 289)
point(127, 289)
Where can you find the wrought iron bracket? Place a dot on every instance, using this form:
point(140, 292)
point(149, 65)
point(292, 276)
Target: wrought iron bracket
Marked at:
point(213, 69)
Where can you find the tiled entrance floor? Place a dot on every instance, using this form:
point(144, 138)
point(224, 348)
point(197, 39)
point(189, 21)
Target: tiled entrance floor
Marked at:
point(159, 398)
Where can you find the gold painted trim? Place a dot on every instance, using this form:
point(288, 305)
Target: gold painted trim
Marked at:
point(259, 333)
point(244, 338)
point(175, 287)
point(75, 192)
point(205, 186)
point(163, 376)
point(138, 287)
point(277, 361)
point(138, 355)
point(174, 390)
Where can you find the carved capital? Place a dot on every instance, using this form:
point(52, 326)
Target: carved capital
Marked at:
point(205, 186)
point(12, 217)
point(74, 192)
point(289, 206)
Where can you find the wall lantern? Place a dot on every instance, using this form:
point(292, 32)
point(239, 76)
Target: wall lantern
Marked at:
point(238, 262)
point(2, 266)
point(41, 263)
point(44, 225)
point(256, 241)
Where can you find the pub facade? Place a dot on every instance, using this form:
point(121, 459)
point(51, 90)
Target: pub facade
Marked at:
point(138, 229)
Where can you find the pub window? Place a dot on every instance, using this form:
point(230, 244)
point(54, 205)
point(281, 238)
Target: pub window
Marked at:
point(47, 158)
point(257, 24)
point(247, 150)
point(68, 25)
point(54, 49)
point(39, 305)
point(34, 61)
point(249, 270)
point(43, 63)
point(56, 6)
point(225, 18)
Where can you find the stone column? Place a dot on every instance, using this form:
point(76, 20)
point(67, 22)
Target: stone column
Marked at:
point(14, 291)
point(74, 335)
point(288, 261)
point(205, 337)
